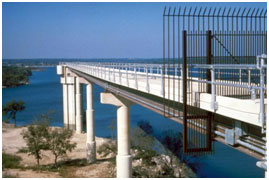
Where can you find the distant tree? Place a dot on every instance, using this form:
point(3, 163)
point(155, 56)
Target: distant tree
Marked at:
point(14, 75)
point(59, 142)
point(11, 109)
point(35, 137)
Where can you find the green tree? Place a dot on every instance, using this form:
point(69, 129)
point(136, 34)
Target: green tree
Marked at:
point(11, 109)
point(59, 142)
point(35, 137)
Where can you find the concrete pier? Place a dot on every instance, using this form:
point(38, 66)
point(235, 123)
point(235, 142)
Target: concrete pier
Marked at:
point(124, 158)
point(71, 102)
point(78, 106)
point(90, 144)
point(65, 104)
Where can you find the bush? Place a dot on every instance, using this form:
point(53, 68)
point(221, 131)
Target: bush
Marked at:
point(10, 161)
point(36, 141)
point(59, 142)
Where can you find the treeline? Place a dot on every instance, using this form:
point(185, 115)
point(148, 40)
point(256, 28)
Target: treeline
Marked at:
point(15, 76)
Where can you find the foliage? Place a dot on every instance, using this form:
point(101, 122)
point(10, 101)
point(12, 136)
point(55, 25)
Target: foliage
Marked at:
point(59, 142)
point(11, 109)
point(39, 137)
point(10, 161)
point(141, 140)
point(35, 137)
point(108, 148)
point(145, 125)
point(14, 76)
point(173, 141)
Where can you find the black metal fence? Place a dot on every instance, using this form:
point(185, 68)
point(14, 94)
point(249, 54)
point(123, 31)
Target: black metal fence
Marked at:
point(209, 36)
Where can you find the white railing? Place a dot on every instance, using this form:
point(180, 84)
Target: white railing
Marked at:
point(143, 73)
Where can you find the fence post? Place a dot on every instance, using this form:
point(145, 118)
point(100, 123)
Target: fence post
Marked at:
point(184, 75)
point(209, 60)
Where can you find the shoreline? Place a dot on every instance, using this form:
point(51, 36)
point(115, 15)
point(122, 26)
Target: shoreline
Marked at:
point(12, 141)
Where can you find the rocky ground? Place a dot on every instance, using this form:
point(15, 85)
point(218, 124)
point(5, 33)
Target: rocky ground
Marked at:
point(75, 165)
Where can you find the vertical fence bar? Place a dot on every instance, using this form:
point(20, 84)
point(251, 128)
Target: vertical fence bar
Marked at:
point(184, 67)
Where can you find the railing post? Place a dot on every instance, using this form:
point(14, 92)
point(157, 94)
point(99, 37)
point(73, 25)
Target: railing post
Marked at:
point(109, 72)
point(213, 88)
point(162, 81)
point(151, 71)
point(240, 76)
point(181, 85)
point(136, 85)
point(147, 78)
point(261, 115)
point(119, 75)
point(127, 80)
point(249, 78)
point(114, 79)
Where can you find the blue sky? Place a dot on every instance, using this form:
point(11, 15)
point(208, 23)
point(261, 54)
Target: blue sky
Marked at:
point(87, 30)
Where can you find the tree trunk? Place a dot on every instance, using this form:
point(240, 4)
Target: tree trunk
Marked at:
point(55, 161)
point(15, 120)
point(38, 163)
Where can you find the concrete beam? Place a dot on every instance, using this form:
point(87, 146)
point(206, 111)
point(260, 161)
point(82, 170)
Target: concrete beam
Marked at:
point(124, 158)
point(60, 70)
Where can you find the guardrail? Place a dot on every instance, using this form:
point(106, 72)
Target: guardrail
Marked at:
point(131, 71)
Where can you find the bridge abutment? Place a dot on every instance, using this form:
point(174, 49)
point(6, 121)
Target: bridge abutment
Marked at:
point(124, 158)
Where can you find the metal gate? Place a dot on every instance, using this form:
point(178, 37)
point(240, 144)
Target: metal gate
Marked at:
point(205, 36)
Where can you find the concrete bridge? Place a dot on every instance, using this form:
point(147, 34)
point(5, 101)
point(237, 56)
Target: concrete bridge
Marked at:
point(239, 123)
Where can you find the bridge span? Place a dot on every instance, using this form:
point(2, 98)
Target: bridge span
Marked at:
point(238, 122)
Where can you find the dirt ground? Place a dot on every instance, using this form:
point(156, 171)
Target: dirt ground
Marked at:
point(12, 141)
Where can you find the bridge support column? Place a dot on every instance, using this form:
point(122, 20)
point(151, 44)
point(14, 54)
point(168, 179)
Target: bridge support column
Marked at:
point(71, 102)
point(78, 106)
point(65, 105)
point(124, 158)
point(61, 70)
point(90, 144)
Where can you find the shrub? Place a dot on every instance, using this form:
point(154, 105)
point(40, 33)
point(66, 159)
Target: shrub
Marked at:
point(59, 142)
point(10, 161)
point(35, 137)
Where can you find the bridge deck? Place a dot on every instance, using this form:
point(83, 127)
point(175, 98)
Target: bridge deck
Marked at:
point(245, 110)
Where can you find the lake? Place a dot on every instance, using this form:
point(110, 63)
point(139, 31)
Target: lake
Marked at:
point(44, 93)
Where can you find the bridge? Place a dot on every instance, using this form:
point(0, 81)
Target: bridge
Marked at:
point(240, 124)
point(212, 80)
